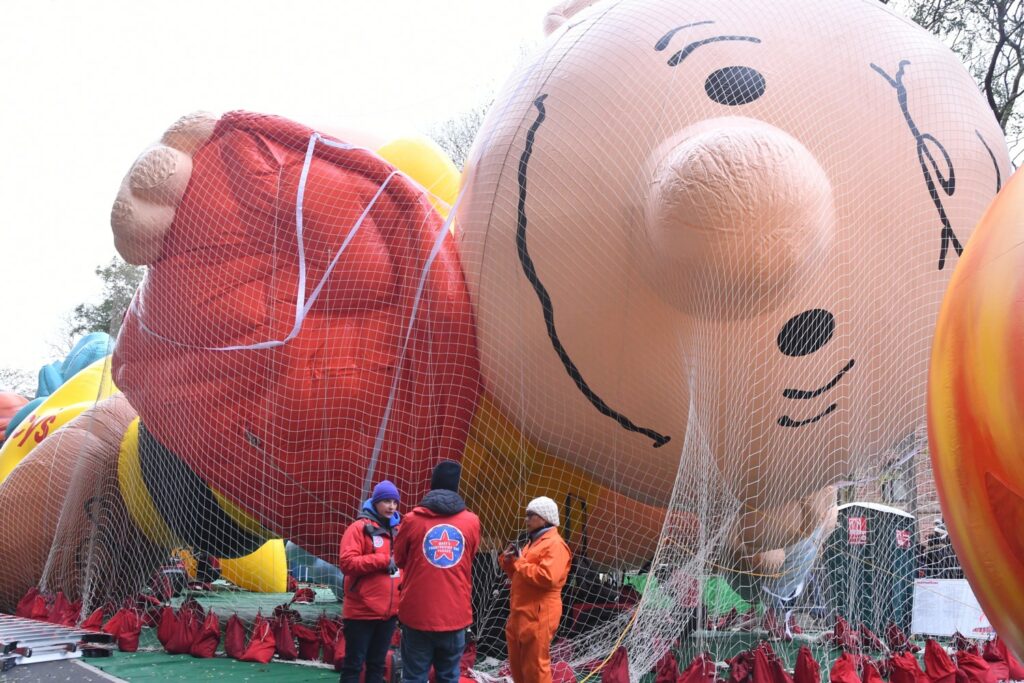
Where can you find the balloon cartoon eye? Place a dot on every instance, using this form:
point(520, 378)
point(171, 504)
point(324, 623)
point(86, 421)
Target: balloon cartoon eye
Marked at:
point(806, 332)
point(734, 85)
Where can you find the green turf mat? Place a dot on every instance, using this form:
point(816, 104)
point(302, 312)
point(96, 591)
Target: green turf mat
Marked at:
point(160, 666)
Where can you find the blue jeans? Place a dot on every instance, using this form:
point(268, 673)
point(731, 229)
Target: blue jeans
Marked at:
point(366, 641)
point(420, 649)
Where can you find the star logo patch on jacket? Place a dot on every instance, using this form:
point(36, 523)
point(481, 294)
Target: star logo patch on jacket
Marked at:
point(443, 546)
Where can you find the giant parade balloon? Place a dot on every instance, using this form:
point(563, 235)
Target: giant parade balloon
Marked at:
point(302, 332)
point(706, 244)
point(976, 412)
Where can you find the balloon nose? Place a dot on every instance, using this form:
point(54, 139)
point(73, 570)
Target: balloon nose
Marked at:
point(737, 212)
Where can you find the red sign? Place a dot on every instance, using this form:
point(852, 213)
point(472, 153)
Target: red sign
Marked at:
point(903, 538)
point(858, 530)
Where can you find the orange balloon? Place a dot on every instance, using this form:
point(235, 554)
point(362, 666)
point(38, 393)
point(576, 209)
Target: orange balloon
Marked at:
point(976, 412)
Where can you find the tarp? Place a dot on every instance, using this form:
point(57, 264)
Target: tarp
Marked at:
point(719, 598)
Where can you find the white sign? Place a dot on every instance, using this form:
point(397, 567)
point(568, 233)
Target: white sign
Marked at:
point(944, 606)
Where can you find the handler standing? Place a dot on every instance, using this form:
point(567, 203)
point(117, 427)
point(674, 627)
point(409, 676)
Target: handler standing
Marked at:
point(538, 574)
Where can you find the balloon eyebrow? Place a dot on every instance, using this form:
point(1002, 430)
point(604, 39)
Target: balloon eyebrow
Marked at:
point(664, 40)
point(686, 51)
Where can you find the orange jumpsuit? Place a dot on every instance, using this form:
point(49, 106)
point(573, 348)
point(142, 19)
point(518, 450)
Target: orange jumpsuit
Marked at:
point(536, 605)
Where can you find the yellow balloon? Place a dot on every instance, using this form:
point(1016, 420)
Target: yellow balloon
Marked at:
point(264, 571)
point(422, 160)
point(85, 389)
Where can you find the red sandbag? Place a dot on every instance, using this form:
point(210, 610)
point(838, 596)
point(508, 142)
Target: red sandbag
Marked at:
point(996, 650)
point(234, 637)
point(740, 667)
point(937, 665)
point(990, 650)
point(328, 632)
point(700, 670)
point(843, 636)
point(184, 633)
point(844, 670)
point(974, 667)
point(870, 640)
point(339, 650)
point(807, 669)
point(39, 609)
point(762, 671)
point(468, 658)
point(74, 611)
point(128, 634)
point(125, 626)
point(95, 620)
point(284, 641)
point(962, 643)
point(897, 639)
point(27, 604)
point(293, 616)
point(207, 638)
point(309, 642)
point(617, 668)
point(999, 671)
point(667, 669)
point(167, 625)
point(113, 625)
point(778, 672)
point(561, 672)
point(192, 605)
point(58, 610)
point(261, 646)
point(905, 669)
point(870, 673)
point(304, 596)
point(149, 609)
point(776, 628)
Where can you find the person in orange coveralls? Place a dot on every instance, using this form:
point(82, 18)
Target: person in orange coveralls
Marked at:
point(538, 573)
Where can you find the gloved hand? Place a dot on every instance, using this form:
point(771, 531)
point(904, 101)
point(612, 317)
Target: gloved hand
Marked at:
point(392, 567)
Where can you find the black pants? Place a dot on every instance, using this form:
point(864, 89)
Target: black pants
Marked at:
point(366, 641)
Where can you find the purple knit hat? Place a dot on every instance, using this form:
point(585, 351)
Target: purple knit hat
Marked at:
point(385, 491)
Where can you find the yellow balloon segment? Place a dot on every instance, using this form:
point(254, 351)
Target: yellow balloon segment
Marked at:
point(84, 390)
point(422, 160)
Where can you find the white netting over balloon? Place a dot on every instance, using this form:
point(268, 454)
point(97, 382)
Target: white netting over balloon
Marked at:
point(686, 288)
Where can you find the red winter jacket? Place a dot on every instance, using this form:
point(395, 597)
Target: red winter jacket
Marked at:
point(435, 551)
point(366, 550)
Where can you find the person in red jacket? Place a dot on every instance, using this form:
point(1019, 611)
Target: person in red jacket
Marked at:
point(435, 552)
point(372, 581)
point(538, 573)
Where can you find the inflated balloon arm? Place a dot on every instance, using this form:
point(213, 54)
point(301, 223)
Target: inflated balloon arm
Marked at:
point(144, 209)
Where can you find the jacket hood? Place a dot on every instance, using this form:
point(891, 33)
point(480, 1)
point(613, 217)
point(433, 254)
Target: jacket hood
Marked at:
point(443, 502)
point(370, 513)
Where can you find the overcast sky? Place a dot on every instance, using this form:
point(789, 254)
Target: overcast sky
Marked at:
point(86, 86)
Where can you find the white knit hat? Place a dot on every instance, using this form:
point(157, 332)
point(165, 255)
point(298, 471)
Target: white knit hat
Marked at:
point(545, 508)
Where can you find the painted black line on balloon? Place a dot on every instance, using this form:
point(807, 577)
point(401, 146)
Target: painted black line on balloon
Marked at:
point(802, 394)
point(664, 40)
point(678, 57)
point(924, 156)
point(995, 164)
point(787, 421)
point(545, 299)
point(187, 505)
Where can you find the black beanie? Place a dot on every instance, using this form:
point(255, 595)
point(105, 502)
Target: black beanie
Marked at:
point(446, 476)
